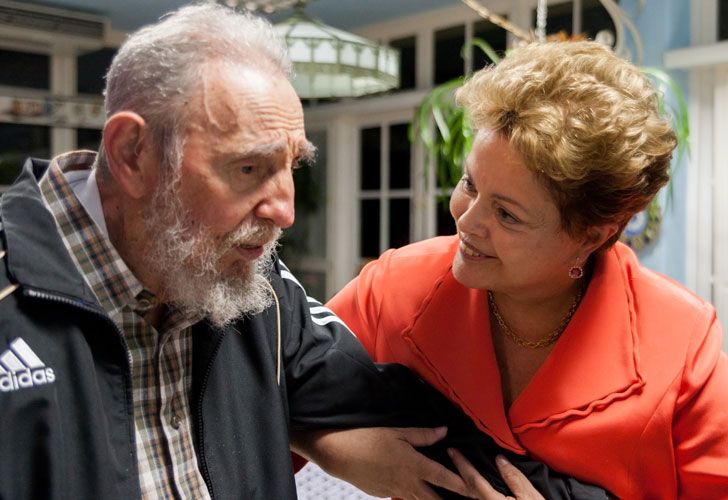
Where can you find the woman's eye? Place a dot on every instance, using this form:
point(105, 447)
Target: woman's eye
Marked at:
point(505, 216)
point(246, 169)
point(467, 184)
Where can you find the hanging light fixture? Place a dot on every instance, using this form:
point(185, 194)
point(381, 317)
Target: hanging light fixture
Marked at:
point(329, 62)
point(265, 6)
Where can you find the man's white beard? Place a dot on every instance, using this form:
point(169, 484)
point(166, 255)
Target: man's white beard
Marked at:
point(187, 257)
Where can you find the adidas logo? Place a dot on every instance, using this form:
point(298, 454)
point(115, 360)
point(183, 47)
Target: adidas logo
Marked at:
point(20, 368)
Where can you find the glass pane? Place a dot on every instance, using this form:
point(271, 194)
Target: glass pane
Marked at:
point(370, 156)
point(307, 236)
point(24, 69)
point(313, 206)
point(369, 229)
point(399, 157)
point(445, 222)
point(559, 18)
point(91, 69)
point(88, 138)
point(18, 142)
point(448, 62)
point(407, 61)
point(723, 20)
point(313, 281)
point(399, 222)
point(495, 36)
point(595, 18)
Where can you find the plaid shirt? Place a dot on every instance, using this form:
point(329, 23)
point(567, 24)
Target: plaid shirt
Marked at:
point(161, 361)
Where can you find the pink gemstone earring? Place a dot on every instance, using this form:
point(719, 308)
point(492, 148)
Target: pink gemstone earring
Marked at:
point(576, 271)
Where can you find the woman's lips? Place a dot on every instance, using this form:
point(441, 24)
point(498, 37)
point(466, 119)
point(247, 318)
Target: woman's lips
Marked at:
point(469, 252)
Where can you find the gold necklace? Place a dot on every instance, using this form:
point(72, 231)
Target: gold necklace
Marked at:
point(542, 342)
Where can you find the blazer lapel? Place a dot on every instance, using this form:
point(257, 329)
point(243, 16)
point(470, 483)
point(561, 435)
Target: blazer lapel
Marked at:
point(596, 360)
point(451, 338)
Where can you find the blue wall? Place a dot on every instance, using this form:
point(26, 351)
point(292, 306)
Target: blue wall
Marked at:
point(663, 26)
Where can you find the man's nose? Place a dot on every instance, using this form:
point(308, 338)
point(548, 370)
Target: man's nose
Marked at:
point(277, 205)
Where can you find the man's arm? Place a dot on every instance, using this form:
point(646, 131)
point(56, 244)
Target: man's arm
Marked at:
point(462, 435)
point(331, 383)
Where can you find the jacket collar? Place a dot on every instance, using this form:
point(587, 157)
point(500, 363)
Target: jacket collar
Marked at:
point(595, 362)
point(36, 256)
point(451, 334)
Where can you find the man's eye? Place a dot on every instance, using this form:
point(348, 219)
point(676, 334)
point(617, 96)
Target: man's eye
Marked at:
point(246, 169)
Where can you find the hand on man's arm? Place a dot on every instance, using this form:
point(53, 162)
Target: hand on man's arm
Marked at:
point(518, 483)
point(380, 461)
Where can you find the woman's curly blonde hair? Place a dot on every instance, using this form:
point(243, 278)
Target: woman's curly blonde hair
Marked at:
point(585, 121)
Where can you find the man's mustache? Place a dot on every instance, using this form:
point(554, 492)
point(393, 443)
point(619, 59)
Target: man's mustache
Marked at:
point(258, 233)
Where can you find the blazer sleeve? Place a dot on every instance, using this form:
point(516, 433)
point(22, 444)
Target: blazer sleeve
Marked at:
point(700, 425)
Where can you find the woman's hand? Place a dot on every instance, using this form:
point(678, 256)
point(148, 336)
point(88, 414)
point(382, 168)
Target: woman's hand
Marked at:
point(381, 461)
point(516, 481)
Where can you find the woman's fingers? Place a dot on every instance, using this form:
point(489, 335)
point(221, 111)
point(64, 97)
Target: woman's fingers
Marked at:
point(518, 483)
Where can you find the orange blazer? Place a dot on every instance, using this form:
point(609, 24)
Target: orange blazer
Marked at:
point(633, 397)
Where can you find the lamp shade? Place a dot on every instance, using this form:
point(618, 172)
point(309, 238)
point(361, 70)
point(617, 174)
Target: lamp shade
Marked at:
point(329, 62)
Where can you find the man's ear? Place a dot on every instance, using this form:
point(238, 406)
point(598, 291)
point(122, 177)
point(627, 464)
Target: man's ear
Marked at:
point(129, 153)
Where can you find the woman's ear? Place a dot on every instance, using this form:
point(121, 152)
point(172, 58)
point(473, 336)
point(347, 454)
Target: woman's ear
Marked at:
point(596, 236)
point(129, 154)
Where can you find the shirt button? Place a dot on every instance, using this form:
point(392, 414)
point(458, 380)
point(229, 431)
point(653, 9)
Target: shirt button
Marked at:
point(176, 420)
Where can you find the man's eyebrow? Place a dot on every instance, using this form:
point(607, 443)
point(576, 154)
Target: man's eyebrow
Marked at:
point(263, 150)
point(307, 152)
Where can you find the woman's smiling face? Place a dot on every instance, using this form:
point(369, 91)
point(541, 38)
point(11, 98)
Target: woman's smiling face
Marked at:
point(511, 239)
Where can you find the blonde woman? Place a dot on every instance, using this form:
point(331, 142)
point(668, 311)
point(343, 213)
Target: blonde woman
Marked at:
point(533, 319)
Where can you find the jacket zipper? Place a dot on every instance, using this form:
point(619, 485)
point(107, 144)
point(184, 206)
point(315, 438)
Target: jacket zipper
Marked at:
point(200, 446)
point(31, 292)
point(50, 297)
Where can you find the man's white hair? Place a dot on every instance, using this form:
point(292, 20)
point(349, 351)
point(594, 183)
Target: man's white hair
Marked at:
point(159, 67)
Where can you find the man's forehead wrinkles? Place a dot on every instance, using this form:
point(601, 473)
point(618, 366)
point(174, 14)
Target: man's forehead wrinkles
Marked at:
point(266, 114)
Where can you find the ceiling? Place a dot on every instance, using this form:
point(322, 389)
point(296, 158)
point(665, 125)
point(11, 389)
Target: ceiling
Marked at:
point(127, 15)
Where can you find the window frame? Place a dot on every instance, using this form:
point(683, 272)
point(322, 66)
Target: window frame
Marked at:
point(706, 235)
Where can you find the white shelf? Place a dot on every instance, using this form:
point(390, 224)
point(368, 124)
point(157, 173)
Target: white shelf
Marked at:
point(698, 56)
